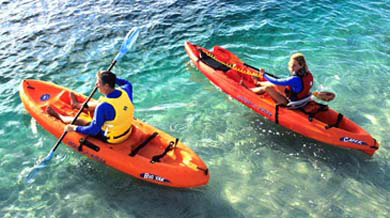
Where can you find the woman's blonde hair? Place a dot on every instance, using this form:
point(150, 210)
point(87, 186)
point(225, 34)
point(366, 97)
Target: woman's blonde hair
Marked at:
point(300, 58)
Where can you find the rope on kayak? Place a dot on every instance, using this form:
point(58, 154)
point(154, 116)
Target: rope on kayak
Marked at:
point(312, 108)
point(233, 66)
point(143, 144)
point(211, 62)
point(170, 147)
point(339, 118)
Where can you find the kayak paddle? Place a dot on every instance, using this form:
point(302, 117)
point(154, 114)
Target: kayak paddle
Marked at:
point(128, 42)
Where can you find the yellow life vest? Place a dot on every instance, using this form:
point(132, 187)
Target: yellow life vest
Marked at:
point(119, 129)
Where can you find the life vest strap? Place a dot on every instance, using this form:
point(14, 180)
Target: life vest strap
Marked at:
point(123, 134)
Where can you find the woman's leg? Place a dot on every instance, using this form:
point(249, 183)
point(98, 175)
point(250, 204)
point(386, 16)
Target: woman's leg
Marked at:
point(271, 90)
point(262, 86)
point(276, 96)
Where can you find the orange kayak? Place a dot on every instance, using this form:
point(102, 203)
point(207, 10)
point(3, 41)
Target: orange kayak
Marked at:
point(148, 154)
point(316, 121)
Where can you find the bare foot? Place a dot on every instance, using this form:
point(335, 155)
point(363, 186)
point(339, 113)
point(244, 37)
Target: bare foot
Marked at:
point(53, 113)
point(258, 90)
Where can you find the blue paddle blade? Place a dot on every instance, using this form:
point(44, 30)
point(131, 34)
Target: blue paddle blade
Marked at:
point(128, 42)
point(30, 177)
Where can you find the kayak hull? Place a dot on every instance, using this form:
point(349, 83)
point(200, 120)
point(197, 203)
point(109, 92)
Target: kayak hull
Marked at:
point(234, 81)
point(180, 167)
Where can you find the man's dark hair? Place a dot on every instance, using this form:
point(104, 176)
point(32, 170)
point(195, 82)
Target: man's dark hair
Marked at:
point(107, 78)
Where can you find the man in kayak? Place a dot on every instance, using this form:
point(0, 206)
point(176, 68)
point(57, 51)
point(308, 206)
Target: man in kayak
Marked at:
point(113, 112)
point(295, 88)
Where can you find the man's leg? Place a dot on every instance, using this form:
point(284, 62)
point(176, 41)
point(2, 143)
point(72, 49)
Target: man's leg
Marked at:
point(65, 119)
point(73, 101)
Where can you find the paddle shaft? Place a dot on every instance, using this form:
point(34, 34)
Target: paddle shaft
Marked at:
point(84, 105)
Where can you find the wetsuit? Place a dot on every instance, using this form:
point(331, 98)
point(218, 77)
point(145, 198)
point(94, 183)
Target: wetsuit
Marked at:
point(296, 85)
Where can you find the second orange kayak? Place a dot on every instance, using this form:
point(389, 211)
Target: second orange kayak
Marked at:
point(226, 71)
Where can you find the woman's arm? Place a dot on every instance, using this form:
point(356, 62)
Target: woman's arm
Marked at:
point(293, 81)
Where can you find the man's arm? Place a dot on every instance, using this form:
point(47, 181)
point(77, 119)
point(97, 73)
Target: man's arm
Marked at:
point(103, 112)
point(127, 86)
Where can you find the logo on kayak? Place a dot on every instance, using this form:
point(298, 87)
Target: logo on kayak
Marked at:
point(153, 177)
point(250, 104)
point(45, 97)
point(351, 140)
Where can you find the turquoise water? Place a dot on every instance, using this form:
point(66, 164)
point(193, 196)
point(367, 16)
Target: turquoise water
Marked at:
point(258, 169)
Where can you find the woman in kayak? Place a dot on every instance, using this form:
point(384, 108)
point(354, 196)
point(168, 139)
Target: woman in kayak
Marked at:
point(113, 113)
point(288, 90)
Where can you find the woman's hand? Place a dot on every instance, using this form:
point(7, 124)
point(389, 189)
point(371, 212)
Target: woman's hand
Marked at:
point(262, 71)
point(70, 128)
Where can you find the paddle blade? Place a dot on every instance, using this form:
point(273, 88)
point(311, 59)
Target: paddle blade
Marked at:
point(128, 42)
point(30, 177)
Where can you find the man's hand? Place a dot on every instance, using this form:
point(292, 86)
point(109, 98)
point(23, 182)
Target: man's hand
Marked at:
point(70, 128)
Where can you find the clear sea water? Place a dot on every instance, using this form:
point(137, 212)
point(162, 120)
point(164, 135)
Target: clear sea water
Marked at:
point(258, 169)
